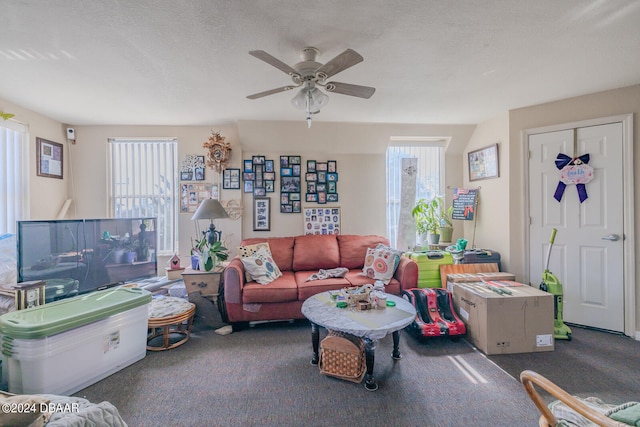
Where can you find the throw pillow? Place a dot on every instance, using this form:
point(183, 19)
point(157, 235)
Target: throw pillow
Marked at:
point(247, 251)
point(380, 264)
point(398, 253)
point(261, 267)
point(30, 418)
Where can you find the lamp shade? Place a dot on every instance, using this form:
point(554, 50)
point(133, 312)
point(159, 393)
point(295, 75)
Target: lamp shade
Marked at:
point(210, 209)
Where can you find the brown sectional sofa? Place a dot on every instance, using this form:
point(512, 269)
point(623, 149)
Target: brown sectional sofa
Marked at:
point(299, 257)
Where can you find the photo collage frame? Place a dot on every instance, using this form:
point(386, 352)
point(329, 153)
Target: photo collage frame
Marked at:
point(290, 176)
point(192, 168)
point(321, 220)
point(322, 182)
point(259, 176)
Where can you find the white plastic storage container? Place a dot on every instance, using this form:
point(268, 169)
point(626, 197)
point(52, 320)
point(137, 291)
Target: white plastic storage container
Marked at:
point(65, 346)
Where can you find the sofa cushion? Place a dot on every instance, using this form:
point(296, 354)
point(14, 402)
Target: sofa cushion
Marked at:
point(283, 289)
point(353, 248)
point(313, 287)
point(281, 249)
point(314, 252)
point(261, 266)
point(380, 264)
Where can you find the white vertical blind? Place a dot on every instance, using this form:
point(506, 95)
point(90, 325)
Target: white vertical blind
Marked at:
point(144, 184)
point(13, 175)
point(429, 178)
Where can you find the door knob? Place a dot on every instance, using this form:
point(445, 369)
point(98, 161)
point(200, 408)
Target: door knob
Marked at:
point(612, 237)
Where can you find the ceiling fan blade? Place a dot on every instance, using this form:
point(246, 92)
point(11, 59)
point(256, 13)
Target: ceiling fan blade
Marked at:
point(349, 89)
point(271, 60)
point(346, 59)
point(271, 92)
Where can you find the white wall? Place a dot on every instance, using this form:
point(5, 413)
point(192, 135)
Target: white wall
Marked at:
point(490, 230)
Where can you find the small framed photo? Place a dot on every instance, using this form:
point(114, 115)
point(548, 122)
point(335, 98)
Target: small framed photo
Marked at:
point(332, 166)
point(332, 197)
point(269, 176)
point(248, 186)
point(257, 192)
point(332, 176)
point(311, 165)
point(321, 166)
point(268, 166)
point(248, 176)
point(199, 174)
point(286, 171)
point(284, 161)
point(322, 177)
point(295, 169)
point(231, 179)
point(186, 176)
point(261, 214)
point(311, 197)
point(312, 187)
point(268, 186)
point(297, 206)
point(331, 187)
point(248, 166)
point(294, 196)
point(483, 163)
point(311, 176)
point(322, 198)
point(294, 160)
point(258, 160)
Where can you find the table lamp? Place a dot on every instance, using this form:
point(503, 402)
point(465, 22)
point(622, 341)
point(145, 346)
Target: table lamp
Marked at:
point(210, 209)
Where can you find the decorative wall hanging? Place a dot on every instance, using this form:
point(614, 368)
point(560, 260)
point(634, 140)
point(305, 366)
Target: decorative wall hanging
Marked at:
point(49, 156)
point(219, 152)
point(231, 179)
point(233, 208)
point(573, 171)
point(321, 220)
point(483, 163)
point(192, 194)
point(192, 168)
point(322, 181)
point(261, 214)
point(464, 204)
point(258, 176)
point(290, 171)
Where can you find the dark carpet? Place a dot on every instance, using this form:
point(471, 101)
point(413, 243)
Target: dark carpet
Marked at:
point(261, 376)
point(593, 363)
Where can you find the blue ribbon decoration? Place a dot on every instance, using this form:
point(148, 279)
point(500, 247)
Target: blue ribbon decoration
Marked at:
point(563, 160)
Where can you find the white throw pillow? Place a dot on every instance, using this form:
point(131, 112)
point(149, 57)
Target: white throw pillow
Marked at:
point(261, 267)
point(380, 264)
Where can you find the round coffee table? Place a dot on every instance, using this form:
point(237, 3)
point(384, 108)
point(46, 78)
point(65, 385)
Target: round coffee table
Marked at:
point(169, 316)
point(371, 325)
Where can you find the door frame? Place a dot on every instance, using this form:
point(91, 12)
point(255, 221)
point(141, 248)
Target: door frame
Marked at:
point(628, 207)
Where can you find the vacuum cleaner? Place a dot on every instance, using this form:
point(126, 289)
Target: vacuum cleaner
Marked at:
point(551, 284)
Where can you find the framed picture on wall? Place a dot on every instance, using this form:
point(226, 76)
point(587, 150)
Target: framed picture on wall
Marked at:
point(483, 163)
point(261, 214)
point(49, 158)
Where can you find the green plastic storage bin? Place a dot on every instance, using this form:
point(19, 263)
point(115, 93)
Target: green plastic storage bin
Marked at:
point(429, 267)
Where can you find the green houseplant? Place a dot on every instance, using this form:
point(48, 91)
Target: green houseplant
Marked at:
point(446, 221)
point(425, 214)
point(209, 254)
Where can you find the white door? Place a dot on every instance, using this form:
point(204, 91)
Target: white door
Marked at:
point(586, 257)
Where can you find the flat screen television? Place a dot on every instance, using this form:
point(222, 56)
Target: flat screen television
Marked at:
point(78, 256)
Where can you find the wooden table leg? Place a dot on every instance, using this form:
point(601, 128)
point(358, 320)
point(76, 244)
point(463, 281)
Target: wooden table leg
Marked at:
point(369, 351)
point(315, 341)
point(396, 346)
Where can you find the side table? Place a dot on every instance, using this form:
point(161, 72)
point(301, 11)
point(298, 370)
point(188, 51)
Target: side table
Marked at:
point(169, 316)
point(207, 285)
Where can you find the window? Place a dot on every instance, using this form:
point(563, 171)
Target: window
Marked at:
point(144, 184)
point(429, 155)
point(14, 174)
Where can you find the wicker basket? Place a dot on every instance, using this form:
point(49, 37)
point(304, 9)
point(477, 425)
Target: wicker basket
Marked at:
point(342, 356)
point(353, 295)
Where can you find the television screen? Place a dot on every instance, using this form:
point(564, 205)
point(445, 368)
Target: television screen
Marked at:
point(79, 256)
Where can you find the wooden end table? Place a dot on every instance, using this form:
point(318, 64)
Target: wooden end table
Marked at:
point(371, 325)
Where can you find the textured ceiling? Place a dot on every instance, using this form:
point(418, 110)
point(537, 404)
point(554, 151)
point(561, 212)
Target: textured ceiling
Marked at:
point(187, 63)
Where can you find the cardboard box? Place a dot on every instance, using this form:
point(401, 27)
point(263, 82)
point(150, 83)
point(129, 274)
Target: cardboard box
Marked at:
point(479, 277)
point(205, 282)
point(521, 322)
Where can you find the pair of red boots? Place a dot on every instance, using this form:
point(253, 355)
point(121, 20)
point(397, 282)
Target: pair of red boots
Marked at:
point(435, 315)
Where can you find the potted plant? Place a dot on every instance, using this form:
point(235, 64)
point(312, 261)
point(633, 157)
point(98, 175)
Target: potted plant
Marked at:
point(446, 221)
point(426, 216)
point(209, 255)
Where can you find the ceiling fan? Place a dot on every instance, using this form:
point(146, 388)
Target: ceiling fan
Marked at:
point(309, 74)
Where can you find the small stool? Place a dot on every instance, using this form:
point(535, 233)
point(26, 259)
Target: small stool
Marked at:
point(167, 316)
